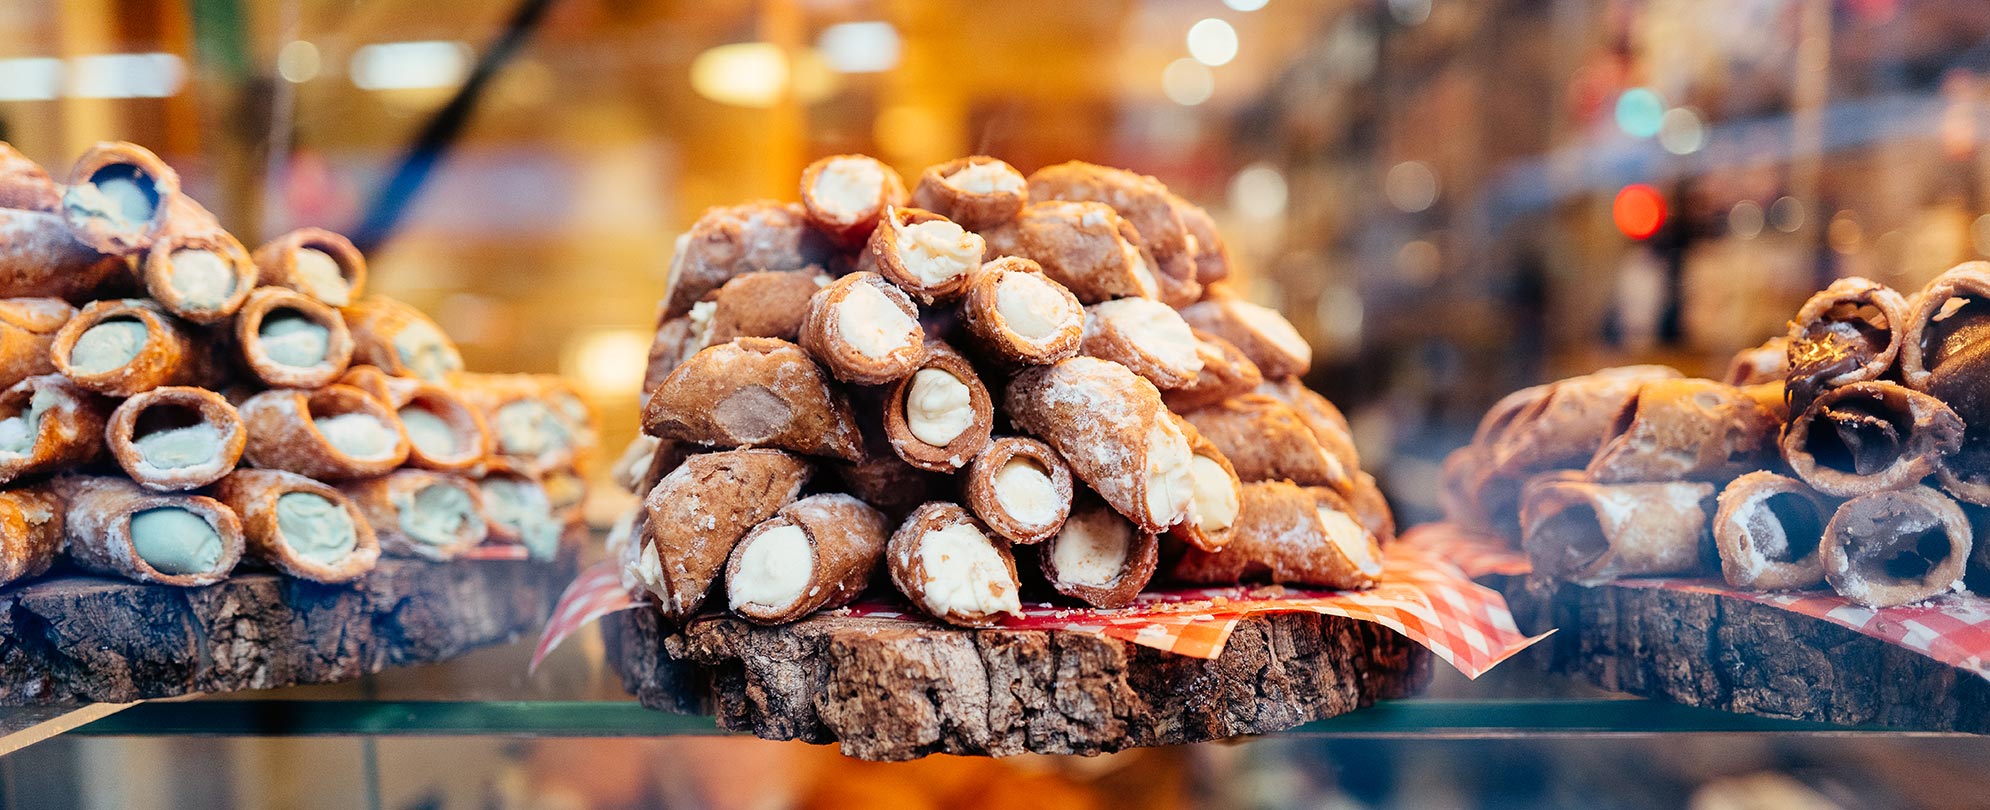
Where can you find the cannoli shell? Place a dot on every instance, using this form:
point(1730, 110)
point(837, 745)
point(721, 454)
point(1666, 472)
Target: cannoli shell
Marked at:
point(1225, 373)
point(822, 334)
point(473, 443)
point(754, 392)
point(1828, 347)
point(730, 240)
point(120, 434)
point(887, 256)
point(1492, 427)
point(964, 447)
point(27, 332)
point(276, 263)
point(1093, 517)
point(697, 514)
point(1107, 337)
point(69, 434)
point(1320, 416)
point(490, 396)
point(377, 321)
point(1589, 534)
point(974, 210)
point(1931, 431)
point(40, 256)
point(848, 229)
point(1760, 364)
point(1457, 475)
point(883, 479)
point(1266, 440)
point(25, 185)
point(668, 350)
point(169, 356)
point(30, 531)
point(908, 568)
point(1372, 507)
point(847, 538)
point(1145, 203)
point(1872, 536)
point(249, 342)
point(1685, 429)
point(1942, 327)
point(1195, 531)
point(1260, 332)
point(394, 391)
point(1099, 417)
point(1087, 248)
point(1565, 427)
point(1289, 535)
point(101, 234)
point(98, 529)
point(762, 305)
point(978, 488)
point(533, 483)
point(1768, 530)
point(1212, 255)
point(252, 494)
point(382, 499)
point(992, 336)
point(284, 435)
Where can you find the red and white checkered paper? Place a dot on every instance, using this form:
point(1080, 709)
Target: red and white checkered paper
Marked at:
point(1953, 629)
point(1427, 600)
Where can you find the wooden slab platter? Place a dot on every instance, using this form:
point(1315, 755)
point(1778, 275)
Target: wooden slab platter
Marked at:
point(892, 689)
point(78, 639)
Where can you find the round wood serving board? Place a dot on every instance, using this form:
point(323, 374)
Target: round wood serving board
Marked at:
point(889, 689)
point(77, 639)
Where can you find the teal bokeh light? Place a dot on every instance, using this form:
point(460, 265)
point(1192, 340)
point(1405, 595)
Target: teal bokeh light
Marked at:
point(1640, 113)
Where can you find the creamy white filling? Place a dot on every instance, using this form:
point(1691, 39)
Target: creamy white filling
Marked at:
point(1155, 329)
point(1092, 547)
point(1215, 496)
point(1170, 488)
point(441, 515)
point(180, 447)
point(1024, 490)
point(108, 345)
point(202, 277)
point(774, 568)
point(1348, 535)
point(319, 276)
point(938, 407)
point(965, 575)
point(18, 432)
point(848, 187)
point(426, 352)
point(1273, 326)
point(937, 250)
point(360, 435)
point(986, 178)
point(524, 507)
point(290, 339)
point(1032, 307)
point(428, 432)
point(316, 528)
point(527, 427)
point(175, 541)
point(873, 324)
point(701, 327)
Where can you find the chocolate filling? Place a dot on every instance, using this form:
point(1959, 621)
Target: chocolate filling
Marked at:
point(1861, 436)
point(1802, 526)
point(1572, 539)
point(1846, 338)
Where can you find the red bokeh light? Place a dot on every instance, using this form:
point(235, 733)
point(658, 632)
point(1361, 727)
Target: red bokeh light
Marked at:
point(1639, 211)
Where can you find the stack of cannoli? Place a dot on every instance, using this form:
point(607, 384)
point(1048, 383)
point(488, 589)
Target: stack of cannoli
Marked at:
point(1852, 452)
point(981, 384)
point(172, 403)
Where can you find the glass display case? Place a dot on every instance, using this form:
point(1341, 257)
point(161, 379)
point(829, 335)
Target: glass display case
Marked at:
point(1450, 200)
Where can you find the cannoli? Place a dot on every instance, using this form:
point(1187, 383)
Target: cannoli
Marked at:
point(1225, 373)
point(1320, 416)
point(938, 418)
point(731, 240)
point(566, 492)
point(881, 477)
point(696, 514)
point(1289, 535)
point(1266, 440)
point(121, 347)
point(1896, 548)
point(1109, 425)
point(422, 514)
point(1098, 557)
point(633, 464)
point(49, 424)
point(1870, 436)
point(864, 330)
point(524, 419)
point(1372, 507)
point(844, 196)
point(175, 438)
point(1564, 428)
point(978, 191)
point(1088, 248)
point(1846, 333)
point(1760, 364)
point(1503, 414)
point(300, 527)
point(1945, 351)
point(1020, 488)
point(1259, 332)
point(755, 305)
point(1218, 493)
point(444, 433)
point(25, 185)
point(316, 262)
point(1684, 429)
point(754, 391)
point(196, 270)
point(27, 332)
point(1770, 395)
point(115, 527)
point(30, 529)
point(1018, 316)
point(1456, 476)
point(925, 254)
point(668, 350)
point(1212, 256)
point(290, 340)
point(335, 433)
point(520, 509)
point(817, 553)
point(118, 197)
point(1145, 203)
point(400, 340)
point(1146, 336)
point(1588, 533)
point(945, 563)
point(1768, 531)
point(39, 256)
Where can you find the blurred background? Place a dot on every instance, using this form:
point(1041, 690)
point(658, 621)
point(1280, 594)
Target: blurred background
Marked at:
point(1450, 198)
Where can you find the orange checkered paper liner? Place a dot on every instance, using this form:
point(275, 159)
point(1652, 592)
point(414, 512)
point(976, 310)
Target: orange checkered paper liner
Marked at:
point(1427, 600)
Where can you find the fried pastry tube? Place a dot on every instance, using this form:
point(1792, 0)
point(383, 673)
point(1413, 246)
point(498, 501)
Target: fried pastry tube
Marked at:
point(289, 340)
point(422, 514)
point(522, 416)
point(196, 270)
point(755, 305)
point(1320, 415)
point(668, 350)
point(1225, 373)
point(1564, 427)
point(1589, 534)
point(1769, 362)
point(315, 262)
point(27, 333)
point(817, 553)
point(115, 527)
point(1502, 416)
point(121, 347)
point(300, 527)
point(118, 197)
point(30, 531)
point(175, 438)
point(730, 240)
point(1945, 351)
point(1896, 548)
point(864, 330)
point(335, 433)
point(1020, 489)
point(1289, 535)
point(25, 185)
point(1212, 256)
point(1098, 557)
point(40, 256)
point(1870, 436)
point(49, 424)
point(1848, 332)
point(1768, 530)
point(880, 477)
point(520, 509)
point(1018, 316)
point(1457, 475)
point(1145, 203)
point(844, 196)
point(951, 568)
point(1262, 334)
point(1109, 425)
point(1266, 440)
point(445, 434)
point(754, 392)
point(1087, 248)
point(1217, 493)
point(400, 340)
point(927, 255)
point(1685, 429)
point(939, 417)
point(977, 191)
point(694, 517)
point(1372, 507)
point(1146, 336)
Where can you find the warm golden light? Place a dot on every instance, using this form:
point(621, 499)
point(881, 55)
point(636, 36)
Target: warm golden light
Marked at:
point(743, 74)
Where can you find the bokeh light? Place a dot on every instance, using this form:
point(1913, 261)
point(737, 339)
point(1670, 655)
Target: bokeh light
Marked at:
point(1640, 112)
point(298, 61)
point(1681, 131)
point(1639, 211)
point(743, 74)
point(1244, 5)
point(1786, 214)
point(1258, 191)
point(1745, 219)
point(1187, 82)
point(1411, 186)
point(1212, 42)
